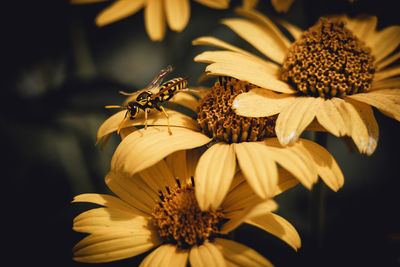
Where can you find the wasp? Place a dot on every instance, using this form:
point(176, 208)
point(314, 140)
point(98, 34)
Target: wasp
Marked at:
point(152, 97)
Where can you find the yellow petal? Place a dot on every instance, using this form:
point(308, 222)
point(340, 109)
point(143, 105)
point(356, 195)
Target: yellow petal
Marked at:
point(387, 73)
point(261, 103)
point(388, 101)
point(279, 227)
point(267, 24)
point(240, 254)
point(111, 246)
point(282, 5)
point(248, 4)
point(386, 84)
point(178, 13)
point(387, 61)
point(206, 255)
point(118, 10)
point(214, 174)
point(363, 27)
point(292, 29)
point(168, 255)
point(326, 165)
point(285, 181)
point(259, 37)
point(143, 148)
point(295, 159)
point(104, 200)
point(361, 121)
point(331, 119)
point(259, 169)
point(385, 42)
point(212, 41)
point(158, 176)
point(103, 219)
point(217, 4)
point(154, 19)
point(133, 191)
point(294, 119)
point(186, 100)
point(177, 164)
point(245, 69)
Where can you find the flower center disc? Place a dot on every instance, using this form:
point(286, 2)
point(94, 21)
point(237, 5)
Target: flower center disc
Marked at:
point(218, 120)
point(179, 220)
point(328, 61)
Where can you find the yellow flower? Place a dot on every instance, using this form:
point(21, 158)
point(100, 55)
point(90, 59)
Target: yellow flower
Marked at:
point(175, 12)
point(232, 141)
point(156, 209)
point(279, 5)
point(333, 73)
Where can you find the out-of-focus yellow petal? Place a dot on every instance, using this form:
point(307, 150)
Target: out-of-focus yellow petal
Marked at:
point(387, 73)
point(291, 28)
point(168, 255)
point(143, 148)
point(241, 255)
point(217, 4)
point(385, 42)
point(177, 13)
point(387, 61)
point(363, 27)
point(279, 227)
point(154, 19)
point(214, 174)
point(118, 10)
point(294, 119)
point(206, 254)
point(261, 103)
point(282, 5)
point(259, 169)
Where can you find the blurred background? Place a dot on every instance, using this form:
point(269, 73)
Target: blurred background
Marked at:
point(60, 70)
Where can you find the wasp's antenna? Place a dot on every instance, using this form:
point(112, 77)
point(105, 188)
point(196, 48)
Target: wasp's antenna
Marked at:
point(122, 122)
point(114, 106)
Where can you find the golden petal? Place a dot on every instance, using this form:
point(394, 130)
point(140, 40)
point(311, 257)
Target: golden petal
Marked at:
point(104, 200)
point(176, 162)
point(217, 4)
point(103, 219)
point(361, 121)
point(187, 100)
point(387, 61)
point(282, 5)
point(279, 227)
point(249, 4)
point(154, 19)
point(177, 13)
point(259, 37)
point(326, 165)
point(267, 24)
point(118, 10)
point(143, 148)
point(168, 255)
point(259, 169)
point(285, 181)
point(291, 28)
point(387, 73)
point(212, 41)
point(385, 42)
point(133, 190)
point(158, 176)
point(295, 117)
point(241, 255)
point(261, 103)
point(295, 159)
point(111, 246)
point(250, 71)
point(331, 119)
point(363, 27)
point(386, 84)
point(206, 254)
point(386, 100)
point(214, 174)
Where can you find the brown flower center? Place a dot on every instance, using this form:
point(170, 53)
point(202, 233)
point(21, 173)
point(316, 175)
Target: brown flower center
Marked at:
point(179, 220)
point(328, 61)
point(218, 121)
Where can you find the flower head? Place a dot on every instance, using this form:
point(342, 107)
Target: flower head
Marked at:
point(229, 140)
point(156, 12)
point(156, 209)
point(332, 73)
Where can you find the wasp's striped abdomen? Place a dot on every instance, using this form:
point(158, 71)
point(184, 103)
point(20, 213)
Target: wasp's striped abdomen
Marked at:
point(167, 90)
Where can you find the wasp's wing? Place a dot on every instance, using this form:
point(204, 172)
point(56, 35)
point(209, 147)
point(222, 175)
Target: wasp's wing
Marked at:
point(160, 76)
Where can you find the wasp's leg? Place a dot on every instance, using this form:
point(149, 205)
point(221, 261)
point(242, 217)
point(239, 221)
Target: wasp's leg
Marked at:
point(166, 115)
point(146, 111)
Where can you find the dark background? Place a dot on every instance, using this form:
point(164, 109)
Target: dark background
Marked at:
point(59, 70)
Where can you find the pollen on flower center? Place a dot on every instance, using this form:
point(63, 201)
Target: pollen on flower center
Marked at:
point(179, 220)
point(218, 120)
point(328, 61)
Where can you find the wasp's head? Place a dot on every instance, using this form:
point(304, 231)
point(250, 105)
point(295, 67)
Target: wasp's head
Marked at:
point(133, 110)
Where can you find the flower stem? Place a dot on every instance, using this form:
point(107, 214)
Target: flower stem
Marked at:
point(317, 203)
